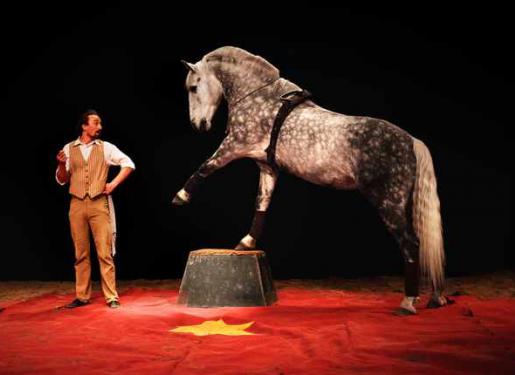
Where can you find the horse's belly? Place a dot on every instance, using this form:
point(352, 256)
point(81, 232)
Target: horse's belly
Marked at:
point(337, 181)
point(333, 174)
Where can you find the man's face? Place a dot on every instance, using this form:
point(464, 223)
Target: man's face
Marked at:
point(94, 126)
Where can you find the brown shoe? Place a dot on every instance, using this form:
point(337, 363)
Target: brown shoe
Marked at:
point(76, 303)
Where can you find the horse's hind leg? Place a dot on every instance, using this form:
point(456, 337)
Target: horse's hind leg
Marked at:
point(393, 202)
point(408, 243)
point(402, 229)
point(267, 180)
point(438, 299)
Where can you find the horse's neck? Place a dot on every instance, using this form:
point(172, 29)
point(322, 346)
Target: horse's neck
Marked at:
point(267, 98)
point(238, 83)
point(267, 91)
point(237, 89)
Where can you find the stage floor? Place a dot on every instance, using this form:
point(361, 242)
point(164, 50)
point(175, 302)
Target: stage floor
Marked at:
point(327, 326)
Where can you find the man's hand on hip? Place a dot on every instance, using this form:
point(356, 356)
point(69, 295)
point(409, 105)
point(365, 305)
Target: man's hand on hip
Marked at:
point(110, 186)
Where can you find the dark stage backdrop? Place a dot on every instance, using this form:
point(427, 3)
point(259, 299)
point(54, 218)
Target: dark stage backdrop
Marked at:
point(439, 73)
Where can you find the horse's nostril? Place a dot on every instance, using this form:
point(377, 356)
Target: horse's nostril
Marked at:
point(203, 124)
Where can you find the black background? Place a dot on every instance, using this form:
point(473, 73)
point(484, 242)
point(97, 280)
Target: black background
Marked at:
point(440, 73)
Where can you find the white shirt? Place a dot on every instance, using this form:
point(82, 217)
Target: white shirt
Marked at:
point(112, 155)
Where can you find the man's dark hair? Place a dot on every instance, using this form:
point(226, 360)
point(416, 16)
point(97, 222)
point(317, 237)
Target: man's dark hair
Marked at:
point(84, 118)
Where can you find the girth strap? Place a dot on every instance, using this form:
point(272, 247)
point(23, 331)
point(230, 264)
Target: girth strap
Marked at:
point(289, 101)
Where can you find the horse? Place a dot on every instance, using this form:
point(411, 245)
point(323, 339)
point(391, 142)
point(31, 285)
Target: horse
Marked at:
point(390, 167)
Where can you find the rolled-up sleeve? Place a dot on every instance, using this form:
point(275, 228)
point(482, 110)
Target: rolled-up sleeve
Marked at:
point(116, 157)
point(66, 150)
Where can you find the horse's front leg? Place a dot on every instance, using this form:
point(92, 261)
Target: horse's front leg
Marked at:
point(223, 156)
point(267, 180)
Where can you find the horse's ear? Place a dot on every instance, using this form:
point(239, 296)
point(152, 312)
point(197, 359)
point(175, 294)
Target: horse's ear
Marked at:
point(190, 66)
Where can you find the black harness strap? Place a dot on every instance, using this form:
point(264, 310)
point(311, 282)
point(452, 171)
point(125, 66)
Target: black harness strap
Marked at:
point(289, 101)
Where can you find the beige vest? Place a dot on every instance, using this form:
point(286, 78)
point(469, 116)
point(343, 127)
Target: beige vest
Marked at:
point(87, 177)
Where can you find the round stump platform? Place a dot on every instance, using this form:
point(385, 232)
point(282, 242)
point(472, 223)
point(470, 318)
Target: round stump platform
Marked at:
point(222, 277)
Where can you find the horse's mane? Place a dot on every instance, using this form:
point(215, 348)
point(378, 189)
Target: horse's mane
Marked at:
point(238, 58)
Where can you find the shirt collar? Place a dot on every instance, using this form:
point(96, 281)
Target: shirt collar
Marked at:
point(78, 142)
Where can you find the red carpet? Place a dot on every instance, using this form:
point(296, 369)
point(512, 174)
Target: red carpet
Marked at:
point(307, 332)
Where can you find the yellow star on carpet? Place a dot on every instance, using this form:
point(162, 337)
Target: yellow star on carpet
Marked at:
point(212, 327)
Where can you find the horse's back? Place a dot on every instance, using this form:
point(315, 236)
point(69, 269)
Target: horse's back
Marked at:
point(334, 149)
point(312, 145)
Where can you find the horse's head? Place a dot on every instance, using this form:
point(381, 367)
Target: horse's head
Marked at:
point(204, 94)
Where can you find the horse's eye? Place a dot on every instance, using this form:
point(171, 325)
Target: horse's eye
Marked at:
point(193, 89)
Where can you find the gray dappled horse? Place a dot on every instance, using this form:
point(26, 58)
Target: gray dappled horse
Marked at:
point(390, 167)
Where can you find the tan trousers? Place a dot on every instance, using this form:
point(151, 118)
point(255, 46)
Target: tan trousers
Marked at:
point(85, 214)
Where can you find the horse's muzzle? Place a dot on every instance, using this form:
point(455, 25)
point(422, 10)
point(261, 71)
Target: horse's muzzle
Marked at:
point(203, 125)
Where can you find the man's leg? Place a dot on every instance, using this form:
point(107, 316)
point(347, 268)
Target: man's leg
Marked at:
point(100, 223)
point(80, 235)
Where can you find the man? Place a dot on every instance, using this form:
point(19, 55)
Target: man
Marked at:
point(85, 163)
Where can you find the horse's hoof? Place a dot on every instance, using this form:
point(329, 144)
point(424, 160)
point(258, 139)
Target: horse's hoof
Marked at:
point(435, 303)
point(407, 306)
point(242, 246)
point(246, 243)
point(178, 201)
point(181, 198)
point(403, 312)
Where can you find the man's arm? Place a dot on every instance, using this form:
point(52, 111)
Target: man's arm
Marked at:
point(122, 175)
point(117, 158)
point(61, 174)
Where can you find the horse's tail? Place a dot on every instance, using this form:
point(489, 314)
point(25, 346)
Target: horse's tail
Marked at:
point(426, 217)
